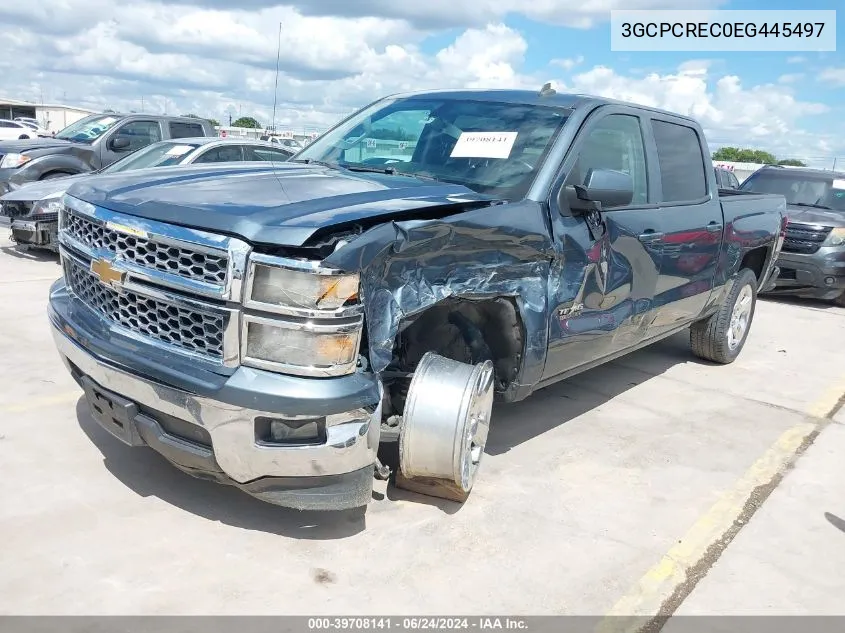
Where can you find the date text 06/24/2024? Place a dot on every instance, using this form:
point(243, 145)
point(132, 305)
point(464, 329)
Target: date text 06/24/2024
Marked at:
point(432, 623)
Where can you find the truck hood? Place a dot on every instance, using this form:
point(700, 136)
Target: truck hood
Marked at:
point(35, 145)
point(809, 215)
point(283, 204)
point(33, 191)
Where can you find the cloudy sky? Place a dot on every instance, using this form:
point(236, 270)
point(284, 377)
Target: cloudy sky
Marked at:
point(206, 57)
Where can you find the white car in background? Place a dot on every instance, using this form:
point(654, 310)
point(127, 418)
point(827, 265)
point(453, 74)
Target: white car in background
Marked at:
point(33, 125)
point(15, 130)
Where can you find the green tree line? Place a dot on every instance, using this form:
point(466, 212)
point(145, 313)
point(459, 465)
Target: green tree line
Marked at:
point(738, 155)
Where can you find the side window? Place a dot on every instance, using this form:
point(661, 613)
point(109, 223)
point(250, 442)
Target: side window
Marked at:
point(179, 129)
point(222, 154)
point(616, 143)
point(261, 153)
point(681, 162)
point(733, 180)
point(6, 124)
point(140, 134)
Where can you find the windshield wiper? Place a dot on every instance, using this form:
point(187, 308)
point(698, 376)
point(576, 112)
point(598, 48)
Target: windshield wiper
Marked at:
point(812, 205)
point(373, 170)
point(313, 161)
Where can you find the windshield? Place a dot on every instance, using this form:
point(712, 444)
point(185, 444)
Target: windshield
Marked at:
point(800, 189)
point(491, 147)
point(155, 155)
point(88, 129)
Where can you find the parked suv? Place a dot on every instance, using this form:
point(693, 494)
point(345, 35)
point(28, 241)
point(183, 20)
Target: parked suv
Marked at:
point(89, 144)
point(812, 263)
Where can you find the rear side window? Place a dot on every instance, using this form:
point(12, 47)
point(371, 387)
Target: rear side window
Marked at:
point(185, 130)
point(682, 172)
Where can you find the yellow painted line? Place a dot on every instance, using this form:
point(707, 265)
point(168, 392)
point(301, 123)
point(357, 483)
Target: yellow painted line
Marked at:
point(39, 403)
point(651, 592)
point(829, 400)
point(659, 582)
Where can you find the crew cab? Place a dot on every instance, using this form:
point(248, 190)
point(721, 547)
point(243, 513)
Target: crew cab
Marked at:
point(89, 144)
point(812, 262)
point(353, 313)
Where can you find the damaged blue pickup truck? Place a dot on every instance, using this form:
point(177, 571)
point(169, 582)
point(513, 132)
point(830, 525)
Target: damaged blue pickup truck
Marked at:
point(272, 328)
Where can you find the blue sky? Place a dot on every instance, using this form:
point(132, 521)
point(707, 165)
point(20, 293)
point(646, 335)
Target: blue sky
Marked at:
point(216, 57)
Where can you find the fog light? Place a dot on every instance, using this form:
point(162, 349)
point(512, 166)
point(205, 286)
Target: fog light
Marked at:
point(830, 280)
point(282, 431)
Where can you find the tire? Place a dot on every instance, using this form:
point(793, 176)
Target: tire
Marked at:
point(53, 175)
point(840, 300)
point(23, 137)
point(714, 339)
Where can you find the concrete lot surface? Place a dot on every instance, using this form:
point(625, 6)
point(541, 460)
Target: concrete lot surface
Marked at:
point(596, 496)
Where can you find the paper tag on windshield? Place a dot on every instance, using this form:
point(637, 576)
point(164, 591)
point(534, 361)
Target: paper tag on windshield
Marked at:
point(839, 184)
point(178, 150)
point(484, 145)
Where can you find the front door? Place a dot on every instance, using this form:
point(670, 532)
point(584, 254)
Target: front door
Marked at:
point(603, 283)
point(138, 133)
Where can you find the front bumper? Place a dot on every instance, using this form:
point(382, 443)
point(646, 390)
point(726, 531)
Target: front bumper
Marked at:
point(214, 434)
point(35, 232)
point(820, 275)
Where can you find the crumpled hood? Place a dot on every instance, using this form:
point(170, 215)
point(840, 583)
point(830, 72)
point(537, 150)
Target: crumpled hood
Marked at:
point(32, 191)
point(809, 215)
point(280, 204)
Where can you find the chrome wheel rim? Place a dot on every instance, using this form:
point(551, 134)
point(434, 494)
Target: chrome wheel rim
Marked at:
point(740, 317)
point(475, 438)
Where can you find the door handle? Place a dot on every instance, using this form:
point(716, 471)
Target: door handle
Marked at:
point(714, 227)
point(650, 236)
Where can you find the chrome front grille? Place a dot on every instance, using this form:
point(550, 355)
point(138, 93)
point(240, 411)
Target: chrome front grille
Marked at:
point(184, 261)
point(186, 328)
point(804, 238)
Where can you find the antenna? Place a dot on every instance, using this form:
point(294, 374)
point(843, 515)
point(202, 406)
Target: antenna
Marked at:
point(276, 87)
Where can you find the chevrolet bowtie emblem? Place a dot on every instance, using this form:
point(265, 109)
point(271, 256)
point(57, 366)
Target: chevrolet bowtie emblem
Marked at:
point(106, 273)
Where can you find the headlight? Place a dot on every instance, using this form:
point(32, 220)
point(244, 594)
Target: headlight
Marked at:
point(275, 288)
point(48, 204)
point(329, 348)
point(835, 238)
point(14, 160)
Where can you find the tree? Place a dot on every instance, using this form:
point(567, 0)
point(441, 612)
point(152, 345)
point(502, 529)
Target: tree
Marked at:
point(792, 162)
point(214, 122)
point(738, 155)
point(246, 121)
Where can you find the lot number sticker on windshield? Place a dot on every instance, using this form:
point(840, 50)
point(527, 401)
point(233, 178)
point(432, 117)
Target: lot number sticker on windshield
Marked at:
point(839, 184)
point(178, 150)
point(484, 145)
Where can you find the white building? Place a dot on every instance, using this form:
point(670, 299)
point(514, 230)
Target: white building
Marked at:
point(53, 117)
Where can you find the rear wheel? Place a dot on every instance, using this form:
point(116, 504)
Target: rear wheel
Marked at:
point(721, 337)
point(23, 137)
point(840, 300)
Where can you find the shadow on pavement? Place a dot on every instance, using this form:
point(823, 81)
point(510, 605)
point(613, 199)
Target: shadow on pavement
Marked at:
point(818, 304)
point(33, 255)
point(513, 424)
point(148, 474)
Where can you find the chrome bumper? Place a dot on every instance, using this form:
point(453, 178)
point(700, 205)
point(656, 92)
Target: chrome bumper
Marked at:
point(352, 437)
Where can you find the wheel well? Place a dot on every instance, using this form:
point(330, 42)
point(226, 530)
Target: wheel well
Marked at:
point(466, 330)
point(55, 172)
point(754, 260)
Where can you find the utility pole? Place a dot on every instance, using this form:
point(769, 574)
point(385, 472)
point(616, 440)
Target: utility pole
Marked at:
point(276, 86)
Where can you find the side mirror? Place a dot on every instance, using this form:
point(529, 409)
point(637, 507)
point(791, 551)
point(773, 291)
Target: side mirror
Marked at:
point(119, 143)
point(602, 188)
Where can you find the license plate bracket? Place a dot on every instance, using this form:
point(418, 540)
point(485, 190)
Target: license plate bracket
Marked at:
point(114, 413)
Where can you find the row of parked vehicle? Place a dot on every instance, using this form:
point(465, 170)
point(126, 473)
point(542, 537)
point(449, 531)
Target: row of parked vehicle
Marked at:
point(299, 328)
point(36, 174)
point(21, 128)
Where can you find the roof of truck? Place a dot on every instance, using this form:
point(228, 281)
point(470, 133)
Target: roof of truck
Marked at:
point(567, 100)
point(806, 171)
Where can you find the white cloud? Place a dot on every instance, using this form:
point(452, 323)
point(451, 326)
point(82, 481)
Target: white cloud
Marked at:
point(568, 63)
point(206, 57)
point(835, 76)
point(796, 59)
point(790, 78)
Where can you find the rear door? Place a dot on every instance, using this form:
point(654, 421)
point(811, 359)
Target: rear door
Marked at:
point(691, 216)
point(602, 286)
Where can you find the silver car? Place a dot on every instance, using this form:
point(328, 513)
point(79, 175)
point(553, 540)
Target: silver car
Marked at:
point(33, 209)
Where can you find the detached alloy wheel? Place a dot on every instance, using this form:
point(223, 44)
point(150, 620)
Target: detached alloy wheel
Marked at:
point(721, 337)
